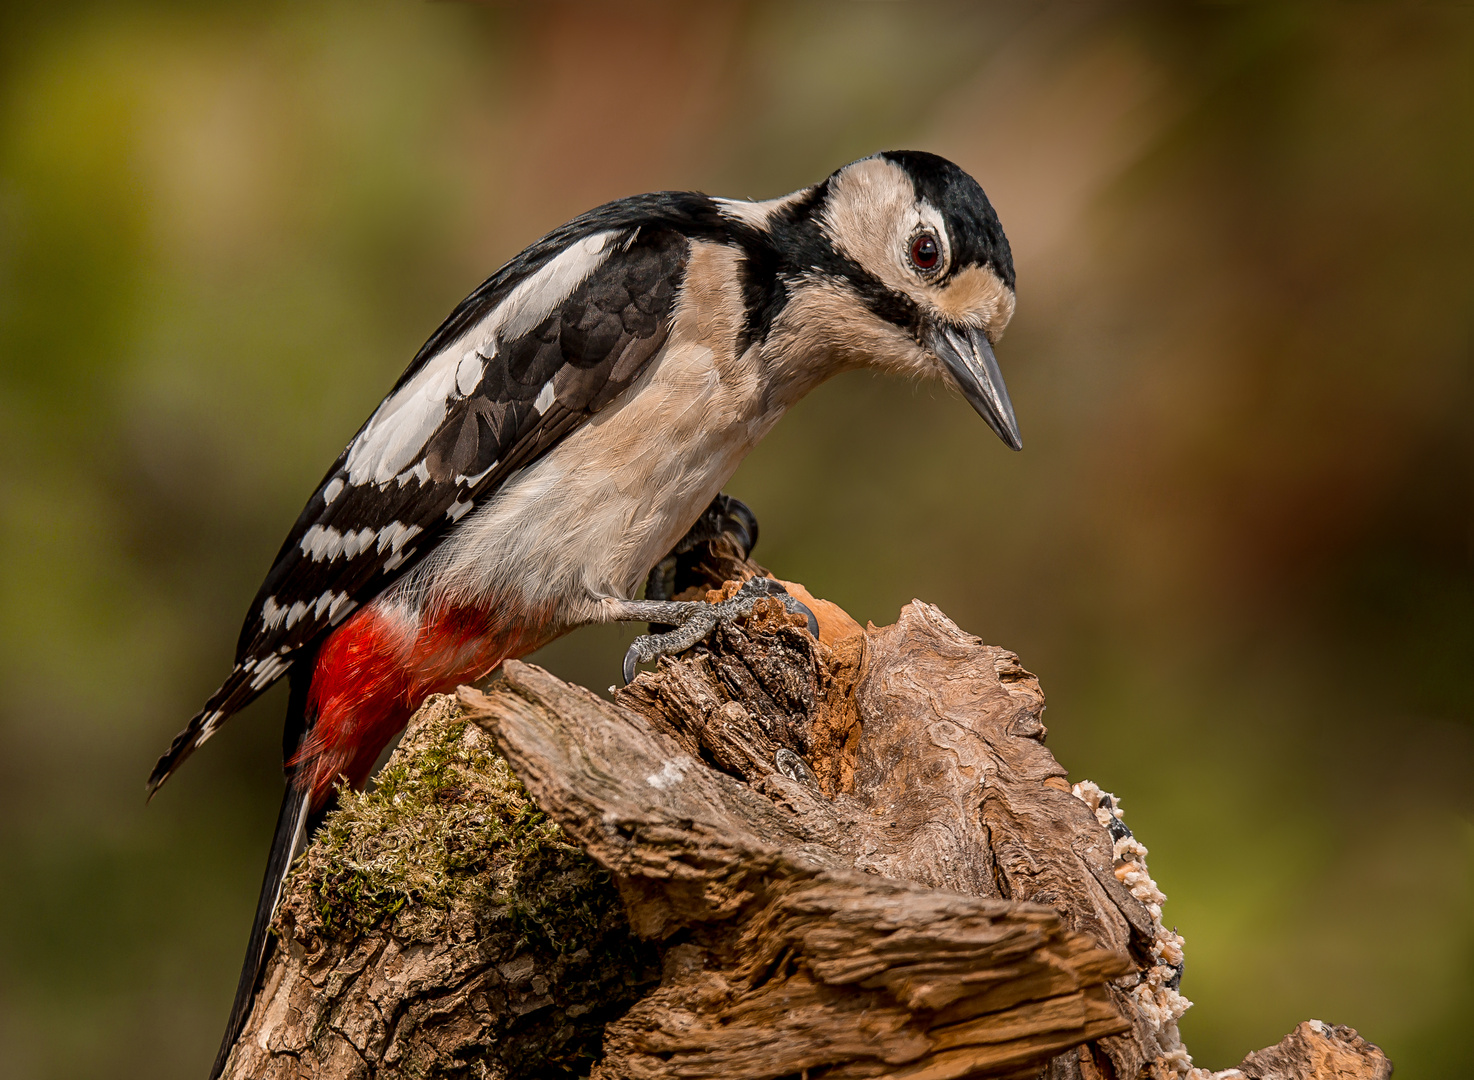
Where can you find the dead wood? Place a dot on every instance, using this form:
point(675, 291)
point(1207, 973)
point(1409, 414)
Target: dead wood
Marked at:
point(776, 857)
point(1312, 1051)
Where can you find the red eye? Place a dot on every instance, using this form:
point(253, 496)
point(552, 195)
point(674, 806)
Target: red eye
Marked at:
point(925, 252)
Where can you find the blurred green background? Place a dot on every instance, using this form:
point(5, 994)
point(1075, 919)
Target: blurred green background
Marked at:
point(1237, 548)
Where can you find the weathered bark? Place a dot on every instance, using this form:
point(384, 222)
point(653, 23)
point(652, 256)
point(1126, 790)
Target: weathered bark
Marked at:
point(775, 857)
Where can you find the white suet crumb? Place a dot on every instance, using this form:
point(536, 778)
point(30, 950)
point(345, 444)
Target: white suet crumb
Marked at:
point(1158, 1004)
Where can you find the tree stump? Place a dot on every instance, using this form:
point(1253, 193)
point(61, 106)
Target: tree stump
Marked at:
point(774, 857)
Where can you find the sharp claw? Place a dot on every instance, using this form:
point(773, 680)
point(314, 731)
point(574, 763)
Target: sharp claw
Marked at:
point(813, 622)
point(631, 658)
point(798, 607)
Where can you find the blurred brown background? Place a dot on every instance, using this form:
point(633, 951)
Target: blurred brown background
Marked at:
point(1237, 546)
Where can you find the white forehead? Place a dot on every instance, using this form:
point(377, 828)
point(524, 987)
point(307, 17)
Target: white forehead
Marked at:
point(871, 213)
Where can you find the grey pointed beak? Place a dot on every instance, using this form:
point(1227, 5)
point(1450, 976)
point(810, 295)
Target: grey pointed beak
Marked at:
point(969, 357)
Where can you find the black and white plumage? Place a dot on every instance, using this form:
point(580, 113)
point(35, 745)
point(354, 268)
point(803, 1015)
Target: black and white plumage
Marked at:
point(548, 341)
point(568, 423)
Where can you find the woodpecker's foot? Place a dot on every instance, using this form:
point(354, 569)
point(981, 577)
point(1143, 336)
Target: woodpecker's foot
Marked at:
point(680, 569)
point(694, 620)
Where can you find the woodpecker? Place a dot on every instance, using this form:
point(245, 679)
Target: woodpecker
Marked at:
point(567, 425)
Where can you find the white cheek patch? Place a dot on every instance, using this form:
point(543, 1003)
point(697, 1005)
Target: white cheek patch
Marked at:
point(397, 433)
point(975, 296)
point(873, 215)
point(869, 212)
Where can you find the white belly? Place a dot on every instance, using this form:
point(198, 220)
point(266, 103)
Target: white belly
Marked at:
point(590, 518)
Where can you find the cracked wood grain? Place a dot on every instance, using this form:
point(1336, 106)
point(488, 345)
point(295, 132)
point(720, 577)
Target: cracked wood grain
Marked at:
point(786, 955)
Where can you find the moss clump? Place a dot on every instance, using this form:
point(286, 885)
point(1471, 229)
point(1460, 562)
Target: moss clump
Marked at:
point(447, 850)
point(447, 829)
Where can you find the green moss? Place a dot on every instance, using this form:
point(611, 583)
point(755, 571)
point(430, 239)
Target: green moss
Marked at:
point(448, 849)
point(447, 829)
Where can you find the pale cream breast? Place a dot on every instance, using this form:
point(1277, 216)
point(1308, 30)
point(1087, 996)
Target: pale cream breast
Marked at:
point(591, 517)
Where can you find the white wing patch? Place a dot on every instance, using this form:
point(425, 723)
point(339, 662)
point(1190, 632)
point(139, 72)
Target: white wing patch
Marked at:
point(420, 472)
point(272, 613)
point(399, 429)
point(269, 670)
point(295, 613)
point(397, 432)
point(392, 536)
point(335, 605)
point(338, 610)
point(332, 491)
point(534, 300)
point(395, 561)
point(469, 371)
point(472, 481)
point(325, 542)
point(545, 398)
point(210, 723)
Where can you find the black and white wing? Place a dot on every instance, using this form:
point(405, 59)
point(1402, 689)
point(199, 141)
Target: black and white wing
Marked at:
point(538, 349)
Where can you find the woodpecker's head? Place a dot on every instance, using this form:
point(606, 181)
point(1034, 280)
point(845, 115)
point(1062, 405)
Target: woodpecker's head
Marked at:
point(902, 260)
